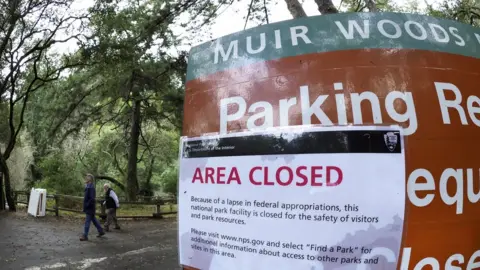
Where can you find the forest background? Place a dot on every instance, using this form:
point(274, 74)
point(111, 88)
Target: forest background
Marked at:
point(97, 85)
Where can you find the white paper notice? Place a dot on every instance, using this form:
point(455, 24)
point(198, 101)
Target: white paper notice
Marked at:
point(293, 198)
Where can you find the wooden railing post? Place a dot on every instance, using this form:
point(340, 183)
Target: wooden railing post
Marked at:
point(56, 205)
point(158, 213)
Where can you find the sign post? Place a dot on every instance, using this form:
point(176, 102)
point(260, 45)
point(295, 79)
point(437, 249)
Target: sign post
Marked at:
point(293, 198)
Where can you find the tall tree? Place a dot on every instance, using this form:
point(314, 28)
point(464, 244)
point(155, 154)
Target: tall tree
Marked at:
point(136, 71)
point(134, 78)
point(28, 30)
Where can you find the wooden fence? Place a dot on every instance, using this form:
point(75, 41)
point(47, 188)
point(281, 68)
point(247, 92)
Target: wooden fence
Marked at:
point(74, 204)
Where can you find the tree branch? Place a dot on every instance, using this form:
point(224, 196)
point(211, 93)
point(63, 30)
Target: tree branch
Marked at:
point(111, 179)
point(248, 14)
point(14, 132)
point(13, 20)
point(116, 163)
point(266, 11)
point(66, 116)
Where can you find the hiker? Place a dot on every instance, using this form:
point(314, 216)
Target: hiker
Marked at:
point(89, 208)
point(111, 204)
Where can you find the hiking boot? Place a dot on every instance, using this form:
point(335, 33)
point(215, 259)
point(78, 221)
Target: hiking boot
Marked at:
point(83, 238)
point(100, 234)
point(106, 229)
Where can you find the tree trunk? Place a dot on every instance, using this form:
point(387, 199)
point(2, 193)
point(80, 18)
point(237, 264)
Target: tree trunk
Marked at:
point(372, 7)
point(150, 171)
point(326, 7)
point(295, 9)
point(8, 190)
point(148, 190)
point(132, 179)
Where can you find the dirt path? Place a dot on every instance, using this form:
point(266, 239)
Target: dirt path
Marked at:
point(53, 243)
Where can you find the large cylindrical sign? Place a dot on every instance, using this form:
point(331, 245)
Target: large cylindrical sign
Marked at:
point(360, 69)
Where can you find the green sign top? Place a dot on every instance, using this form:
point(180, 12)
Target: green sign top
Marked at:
point(344, 31)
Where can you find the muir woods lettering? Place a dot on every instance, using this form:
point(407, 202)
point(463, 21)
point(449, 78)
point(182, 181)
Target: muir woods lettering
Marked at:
point(296, 33)
point(333, 33)
point(350, 30)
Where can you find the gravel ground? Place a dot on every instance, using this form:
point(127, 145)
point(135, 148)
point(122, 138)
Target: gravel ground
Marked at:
point(53, 243)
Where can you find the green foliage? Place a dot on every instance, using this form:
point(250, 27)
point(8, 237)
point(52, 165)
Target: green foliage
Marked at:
point(361, 6)
point(126, 61)
point(169, 180)
point(20, 161)
point(466, 11)
point(61, 175)
point(80, 121)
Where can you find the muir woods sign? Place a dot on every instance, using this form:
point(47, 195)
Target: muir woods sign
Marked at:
point(419, 72)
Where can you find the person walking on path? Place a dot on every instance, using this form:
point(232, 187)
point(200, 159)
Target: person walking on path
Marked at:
point(111, 204)
point(89, 208)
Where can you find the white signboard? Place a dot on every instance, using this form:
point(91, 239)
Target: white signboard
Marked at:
point(293, 198)
point(38, 202)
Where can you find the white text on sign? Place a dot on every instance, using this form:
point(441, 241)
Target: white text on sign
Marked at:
point(260, 115)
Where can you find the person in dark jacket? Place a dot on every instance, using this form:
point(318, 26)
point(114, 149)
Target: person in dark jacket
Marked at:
point(111, 204)
point(89, 208)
